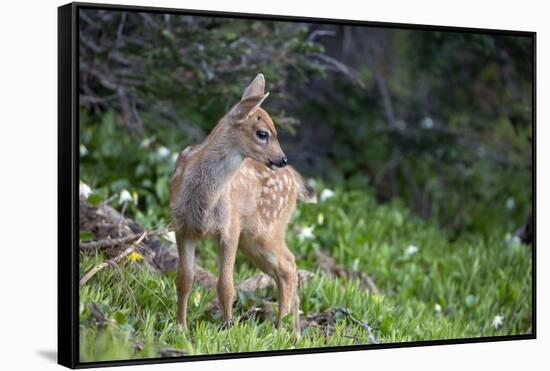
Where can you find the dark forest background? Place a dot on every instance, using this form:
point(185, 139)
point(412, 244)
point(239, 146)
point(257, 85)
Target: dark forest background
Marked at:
point(438, 121)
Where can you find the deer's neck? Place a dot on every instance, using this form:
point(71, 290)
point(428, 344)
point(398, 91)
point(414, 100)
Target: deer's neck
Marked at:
point(215, 168)
point(206, 183)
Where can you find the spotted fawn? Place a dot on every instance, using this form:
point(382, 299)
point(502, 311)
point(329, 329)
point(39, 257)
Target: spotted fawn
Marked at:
point(237, 188)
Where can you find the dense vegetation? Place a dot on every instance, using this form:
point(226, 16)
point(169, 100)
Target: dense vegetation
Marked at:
point(423, 136)
point(430, 288)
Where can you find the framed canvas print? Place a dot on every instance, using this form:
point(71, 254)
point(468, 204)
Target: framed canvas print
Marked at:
point(242, 185)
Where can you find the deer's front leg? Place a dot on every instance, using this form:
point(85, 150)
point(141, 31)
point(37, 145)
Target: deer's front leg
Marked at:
point(185, 275)
point(227, 250)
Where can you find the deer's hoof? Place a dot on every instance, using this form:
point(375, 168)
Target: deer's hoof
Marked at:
point(225, 325)
point(182, 326)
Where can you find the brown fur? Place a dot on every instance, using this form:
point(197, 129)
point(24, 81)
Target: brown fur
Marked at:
point(224, 188)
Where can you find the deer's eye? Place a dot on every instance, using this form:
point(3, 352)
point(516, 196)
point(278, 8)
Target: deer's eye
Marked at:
point(262, 134)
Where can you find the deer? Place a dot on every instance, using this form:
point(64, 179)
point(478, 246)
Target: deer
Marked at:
point(237, 188)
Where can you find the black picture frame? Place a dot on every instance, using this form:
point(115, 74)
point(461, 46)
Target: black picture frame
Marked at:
point(68, 193)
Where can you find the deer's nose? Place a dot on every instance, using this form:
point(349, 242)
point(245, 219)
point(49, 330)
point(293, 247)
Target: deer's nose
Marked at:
point(283, 162)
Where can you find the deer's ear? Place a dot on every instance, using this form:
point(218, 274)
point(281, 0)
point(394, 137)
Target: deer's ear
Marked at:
point(256, 88)
point(246, 107)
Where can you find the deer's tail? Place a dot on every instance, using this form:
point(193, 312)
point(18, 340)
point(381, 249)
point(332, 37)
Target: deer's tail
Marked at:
point(305, 192)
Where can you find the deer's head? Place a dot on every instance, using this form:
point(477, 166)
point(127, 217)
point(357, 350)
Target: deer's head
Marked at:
point(250, 129)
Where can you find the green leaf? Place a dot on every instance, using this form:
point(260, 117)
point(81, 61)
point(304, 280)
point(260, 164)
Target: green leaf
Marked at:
point(98, 196)
point(120, 318)
point(230, 36)
point(168, 35)
point(95, 199)
point(85, 236)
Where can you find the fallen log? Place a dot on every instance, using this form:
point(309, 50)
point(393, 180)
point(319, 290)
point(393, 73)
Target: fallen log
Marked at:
point(113, 232)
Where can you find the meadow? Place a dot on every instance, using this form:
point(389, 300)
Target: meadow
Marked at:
point(429, 285)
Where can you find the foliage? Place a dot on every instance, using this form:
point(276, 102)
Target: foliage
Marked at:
point(111, 162)
point(424, 136)
point(441, 120)
point(184, 71)
point(443, 290)
point(454, 141)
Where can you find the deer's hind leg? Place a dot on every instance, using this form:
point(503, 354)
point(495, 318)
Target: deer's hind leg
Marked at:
point(287, 282)
point(275, 259)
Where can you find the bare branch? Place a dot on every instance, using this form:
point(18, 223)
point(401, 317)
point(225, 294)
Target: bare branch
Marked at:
point(112, 261)
point(312, 36)
point(108, 243)
point(340, 67)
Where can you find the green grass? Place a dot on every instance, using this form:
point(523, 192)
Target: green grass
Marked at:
point(450, 288)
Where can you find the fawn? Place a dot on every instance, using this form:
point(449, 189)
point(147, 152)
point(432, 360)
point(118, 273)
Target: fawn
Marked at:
point(236, 187)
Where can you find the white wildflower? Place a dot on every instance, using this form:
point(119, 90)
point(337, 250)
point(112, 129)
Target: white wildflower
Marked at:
point(512, 240)
point(163, 152)
point(124, 197)
point(145, 143)
point(510, 203)
point(326, 194)
point(311, 182)
point(84, 189)
point(411, 249)
point(83, 150)
point(306, 233)
point(320, 219)
point(170, 236)
point(175, 156)
point(498, 321)
point(437, 308)
point(427, 123)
